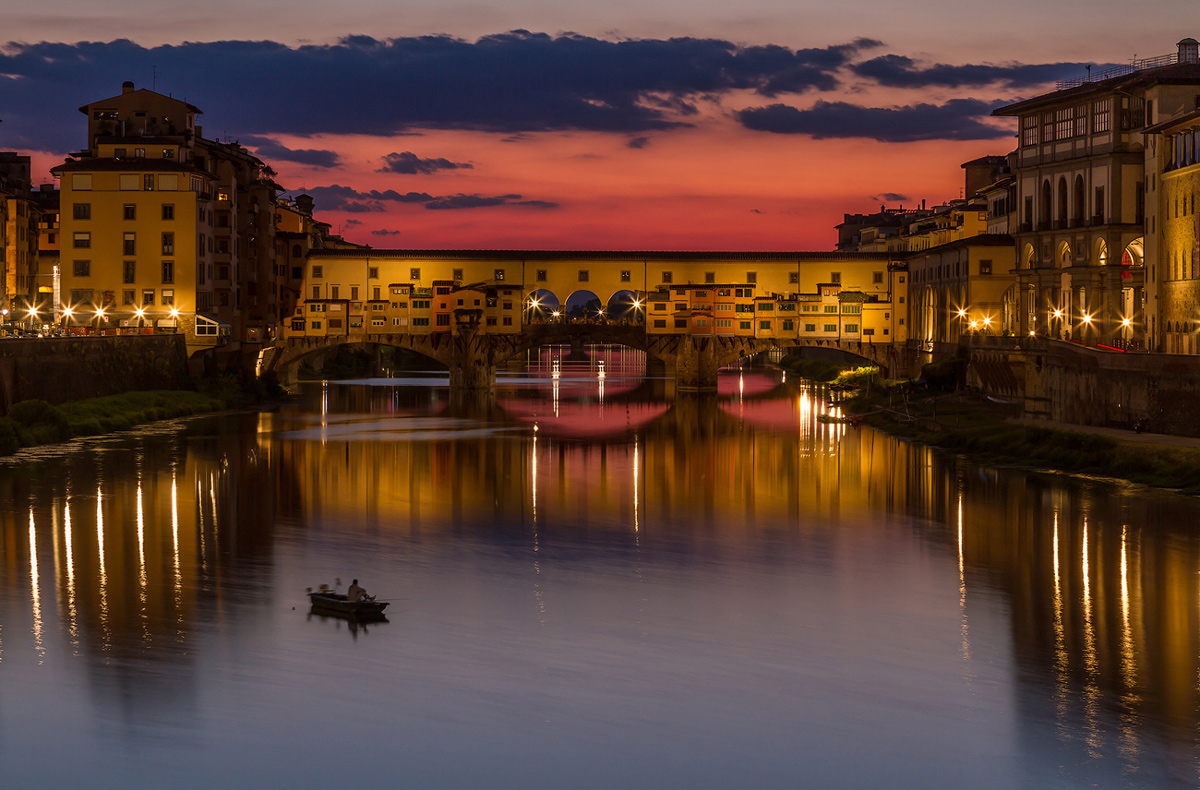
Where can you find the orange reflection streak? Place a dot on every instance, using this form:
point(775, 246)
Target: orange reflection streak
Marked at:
point(72, 614)
point(175, 542)
point(35, 590)
point(962, 586)
point(1091, 691)
point(636, 521)
point(141, 535)
point(104, 624)
point(1129, 723)
point(1060, 647)
point(537, 567)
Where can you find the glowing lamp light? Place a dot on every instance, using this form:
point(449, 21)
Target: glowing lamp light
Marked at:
point(556, 314)
point(987, 321)
point(962, 313)
point(1058, 313)
point(1125, 322)
point(1032, 333)
point(99, 312)
point(174, 312)
point(974, 324)
point(1087, 319)
point(68, 312)
point(33, 313)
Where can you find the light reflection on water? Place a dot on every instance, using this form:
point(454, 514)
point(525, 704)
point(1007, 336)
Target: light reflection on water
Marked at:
point(589, 590)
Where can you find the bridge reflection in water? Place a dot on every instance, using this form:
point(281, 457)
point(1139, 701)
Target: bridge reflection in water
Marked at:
point(122, 560)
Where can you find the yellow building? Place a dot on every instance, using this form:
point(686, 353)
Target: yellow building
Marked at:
point(164, 228)
point(136, 221)
point(1175, 145)
point(791, 295)
point(962, 287)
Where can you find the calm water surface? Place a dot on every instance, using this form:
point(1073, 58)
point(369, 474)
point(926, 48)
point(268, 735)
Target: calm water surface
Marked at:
point(594, 584)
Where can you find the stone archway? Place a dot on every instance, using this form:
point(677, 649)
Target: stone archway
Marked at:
point(624, 306)
point(583, 304)
point(542, 304)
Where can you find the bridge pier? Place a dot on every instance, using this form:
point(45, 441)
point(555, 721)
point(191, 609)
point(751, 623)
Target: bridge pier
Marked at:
point(696, 365)
point(472, 365)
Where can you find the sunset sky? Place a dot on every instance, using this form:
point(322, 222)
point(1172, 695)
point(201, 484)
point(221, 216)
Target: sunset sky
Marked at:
point(659, 124)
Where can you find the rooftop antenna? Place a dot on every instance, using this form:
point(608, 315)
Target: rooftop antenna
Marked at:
point(1089, 72)
point(154, 78)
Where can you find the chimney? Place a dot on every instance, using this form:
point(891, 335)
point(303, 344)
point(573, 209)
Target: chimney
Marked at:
point(1189, 51)
point(305, 204)
point(127, 86)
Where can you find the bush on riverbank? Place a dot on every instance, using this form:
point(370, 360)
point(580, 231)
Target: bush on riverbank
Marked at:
point(860, 377)
point(35, 422)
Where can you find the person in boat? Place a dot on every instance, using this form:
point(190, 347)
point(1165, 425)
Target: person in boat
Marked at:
point(354, 593)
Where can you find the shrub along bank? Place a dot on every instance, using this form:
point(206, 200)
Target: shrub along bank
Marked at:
point(35, 422)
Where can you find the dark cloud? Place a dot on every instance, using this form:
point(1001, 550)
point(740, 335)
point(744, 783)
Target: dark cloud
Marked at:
point(958, 119)
point(755, 211)
point(269, 150)
point(342, 198)
point(639, 142)
point(385, 232)
point(485, 201)
point(409, 164)
point(508, 83)
point(897, 71)
point(352, 223)
point(890, 197)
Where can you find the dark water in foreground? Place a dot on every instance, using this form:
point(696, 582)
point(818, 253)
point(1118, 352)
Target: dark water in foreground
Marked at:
point(590, 590)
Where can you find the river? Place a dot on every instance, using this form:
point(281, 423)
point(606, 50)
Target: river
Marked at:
point(594, 584)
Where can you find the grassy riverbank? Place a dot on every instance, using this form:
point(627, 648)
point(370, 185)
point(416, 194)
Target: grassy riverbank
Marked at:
point(983, 431)
point(35, 422)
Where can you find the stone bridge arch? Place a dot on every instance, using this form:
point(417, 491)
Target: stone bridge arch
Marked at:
point(472, 358)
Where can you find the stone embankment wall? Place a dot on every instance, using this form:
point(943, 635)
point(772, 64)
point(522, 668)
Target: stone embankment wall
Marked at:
point(1084, 386)
point(65, 369)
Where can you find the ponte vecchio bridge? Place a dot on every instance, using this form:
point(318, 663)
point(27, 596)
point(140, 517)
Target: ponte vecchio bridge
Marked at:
point(693, 311)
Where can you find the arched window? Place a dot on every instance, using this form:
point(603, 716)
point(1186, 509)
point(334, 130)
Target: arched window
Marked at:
point(1064, 256)
point(1044, 206)
point(1080, 198)
point(1062, 202)
point(296, 251)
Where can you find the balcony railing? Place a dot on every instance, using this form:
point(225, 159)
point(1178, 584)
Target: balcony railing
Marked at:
point(1119, 71)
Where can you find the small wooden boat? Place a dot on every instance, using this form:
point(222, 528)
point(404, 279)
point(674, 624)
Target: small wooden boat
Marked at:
point(337, 604)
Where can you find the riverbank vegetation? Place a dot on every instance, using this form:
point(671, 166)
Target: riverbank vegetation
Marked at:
point(986, 431)
point(935, 411)
point(35, 422)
